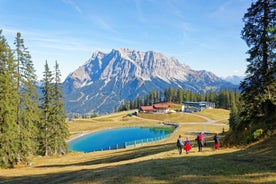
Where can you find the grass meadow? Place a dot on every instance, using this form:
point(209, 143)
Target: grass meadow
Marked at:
point(157, 162)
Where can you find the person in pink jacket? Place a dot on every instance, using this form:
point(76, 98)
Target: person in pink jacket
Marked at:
point(200, 141)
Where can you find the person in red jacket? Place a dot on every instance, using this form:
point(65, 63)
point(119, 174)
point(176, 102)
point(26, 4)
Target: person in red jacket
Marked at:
point(216, 140)
point(187, 145)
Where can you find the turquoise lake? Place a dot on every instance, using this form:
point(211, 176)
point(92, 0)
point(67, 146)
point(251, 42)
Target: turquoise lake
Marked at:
point(116, 138)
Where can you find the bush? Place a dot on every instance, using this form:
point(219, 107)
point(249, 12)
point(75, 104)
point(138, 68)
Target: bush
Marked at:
point(258, 133)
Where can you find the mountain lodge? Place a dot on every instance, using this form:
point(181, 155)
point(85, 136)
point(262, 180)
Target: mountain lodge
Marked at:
point(197, 106)
point(155, 108)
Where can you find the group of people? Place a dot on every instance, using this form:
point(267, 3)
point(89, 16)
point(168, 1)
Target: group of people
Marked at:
point(183, 145)
point(186, 145)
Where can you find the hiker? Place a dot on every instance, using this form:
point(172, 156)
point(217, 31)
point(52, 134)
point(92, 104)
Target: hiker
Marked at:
point(200, 141)
point(187, 145)
point(216, 140)
point(179, 145)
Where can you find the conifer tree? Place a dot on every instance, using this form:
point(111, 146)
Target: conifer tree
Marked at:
point(53, 127)
point(8, 106)
point(27, 106)
point(259, 86)
point(46, 128)
point(180, 95)
point(61, 132)
point(154, 96)
point(161, 96)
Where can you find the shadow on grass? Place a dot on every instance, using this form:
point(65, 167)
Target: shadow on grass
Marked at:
point(126, 155)
point(255, 164)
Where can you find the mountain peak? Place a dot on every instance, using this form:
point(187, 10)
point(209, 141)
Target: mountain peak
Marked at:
point(123, 74)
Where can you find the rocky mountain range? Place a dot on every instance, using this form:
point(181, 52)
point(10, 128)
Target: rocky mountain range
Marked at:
point(107, 79)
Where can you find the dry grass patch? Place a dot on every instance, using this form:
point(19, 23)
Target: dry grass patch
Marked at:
point(175, 106)
point(153, 163)
point(215, 114)
point(173, 117)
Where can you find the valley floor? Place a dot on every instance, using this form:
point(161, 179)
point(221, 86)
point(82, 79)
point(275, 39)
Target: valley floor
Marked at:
point(154, 163)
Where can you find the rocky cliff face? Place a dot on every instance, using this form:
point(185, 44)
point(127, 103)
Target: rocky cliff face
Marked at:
point(105, 80)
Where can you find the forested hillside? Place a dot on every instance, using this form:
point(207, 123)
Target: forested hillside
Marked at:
point(223, 98)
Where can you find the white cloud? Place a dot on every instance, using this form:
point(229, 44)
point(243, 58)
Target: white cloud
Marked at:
point(73, 5)
point(41, 39)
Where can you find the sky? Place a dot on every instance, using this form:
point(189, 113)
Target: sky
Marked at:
point(204, 34)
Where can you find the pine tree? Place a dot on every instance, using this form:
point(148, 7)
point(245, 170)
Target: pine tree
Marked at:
point(180, 95)
point(59, 116)
point(139, 101)
point(161, 96)
point(27, 106)
point(131, 104)
point(155, 96)
point(45, 127)
point(258, 88)
point(53, 127)
point(8, 106)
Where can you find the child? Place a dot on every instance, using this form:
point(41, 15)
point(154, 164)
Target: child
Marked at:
point(216, 140)
point(187, 145)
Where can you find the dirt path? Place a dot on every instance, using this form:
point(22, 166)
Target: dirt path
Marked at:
point(208, 120)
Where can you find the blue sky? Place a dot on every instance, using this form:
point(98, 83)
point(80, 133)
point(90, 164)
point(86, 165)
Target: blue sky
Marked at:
point(204, 34)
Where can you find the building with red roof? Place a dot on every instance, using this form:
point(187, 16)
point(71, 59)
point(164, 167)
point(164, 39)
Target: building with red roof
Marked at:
point(157, 108)
point(146, 109)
